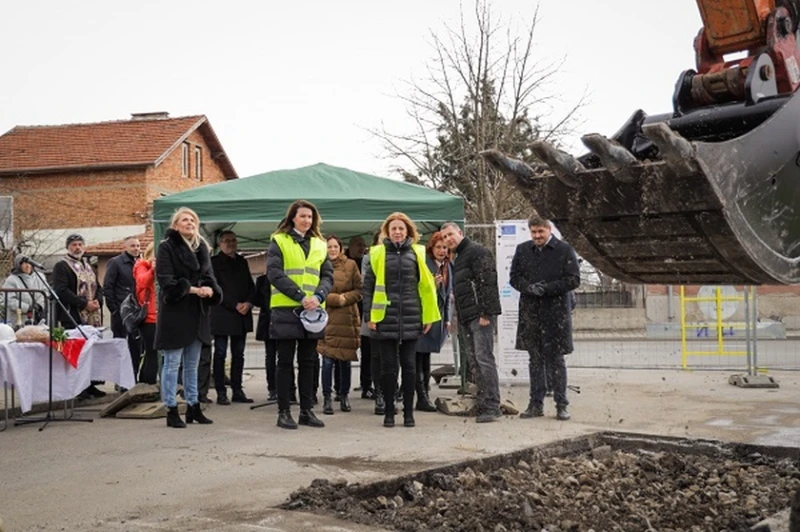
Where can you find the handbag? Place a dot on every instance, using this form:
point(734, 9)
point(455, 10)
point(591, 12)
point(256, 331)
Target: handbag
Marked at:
point(132, 313)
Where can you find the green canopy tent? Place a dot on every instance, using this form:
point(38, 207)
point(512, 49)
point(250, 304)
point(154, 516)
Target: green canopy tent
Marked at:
point(350, 203)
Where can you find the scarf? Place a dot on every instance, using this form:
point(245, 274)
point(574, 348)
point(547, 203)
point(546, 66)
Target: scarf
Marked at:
point(87, 288)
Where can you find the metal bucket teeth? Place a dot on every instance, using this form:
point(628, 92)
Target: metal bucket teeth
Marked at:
point(617, 160)
point(565, 167)
point(694, 208)
point(675, 150)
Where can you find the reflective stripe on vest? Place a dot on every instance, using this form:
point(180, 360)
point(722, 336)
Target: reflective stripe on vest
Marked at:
point(426, 286)
point(304, 271)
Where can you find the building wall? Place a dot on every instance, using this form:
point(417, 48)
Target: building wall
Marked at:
point(101, 205)
point(167, 177)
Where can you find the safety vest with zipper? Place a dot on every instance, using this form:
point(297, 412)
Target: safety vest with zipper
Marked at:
point(426, 286)
point(303, 270)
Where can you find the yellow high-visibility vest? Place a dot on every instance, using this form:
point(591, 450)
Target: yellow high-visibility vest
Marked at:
point(304, 271)
point(426, 286)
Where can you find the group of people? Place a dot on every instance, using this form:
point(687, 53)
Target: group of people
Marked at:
point(392, 301)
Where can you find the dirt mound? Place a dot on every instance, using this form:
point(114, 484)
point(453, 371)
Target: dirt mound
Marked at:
point(604, 489)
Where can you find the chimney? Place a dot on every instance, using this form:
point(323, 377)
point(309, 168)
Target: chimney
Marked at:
point(158, 115)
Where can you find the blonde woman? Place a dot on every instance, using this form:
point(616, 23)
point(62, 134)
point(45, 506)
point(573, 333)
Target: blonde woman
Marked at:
point(144, 275)
point(188, 288)
point(400, 306)
point(301, 277)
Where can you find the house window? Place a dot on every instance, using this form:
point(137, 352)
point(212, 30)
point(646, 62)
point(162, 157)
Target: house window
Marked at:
point(198, 163)
point(185, 160)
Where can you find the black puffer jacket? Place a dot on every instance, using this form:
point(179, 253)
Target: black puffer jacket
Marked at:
point(475, 282)
point(403, 319)
point(183, 317)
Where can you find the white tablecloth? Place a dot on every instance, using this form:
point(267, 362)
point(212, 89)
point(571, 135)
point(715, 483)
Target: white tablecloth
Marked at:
point(26, 366)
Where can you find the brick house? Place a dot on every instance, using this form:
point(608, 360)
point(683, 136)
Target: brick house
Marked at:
point(100, 179)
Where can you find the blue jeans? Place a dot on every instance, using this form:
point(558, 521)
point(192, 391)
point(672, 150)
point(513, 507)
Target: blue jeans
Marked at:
point(342, 371)
point(169, 373)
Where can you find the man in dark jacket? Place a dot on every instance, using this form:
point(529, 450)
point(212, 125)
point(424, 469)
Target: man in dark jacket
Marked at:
point(545, 271)
point(233, 318)
point(75, 284)
point(117, 284)
point(477, 305)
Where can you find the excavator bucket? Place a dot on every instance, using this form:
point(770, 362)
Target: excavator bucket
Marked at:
point(709, 197)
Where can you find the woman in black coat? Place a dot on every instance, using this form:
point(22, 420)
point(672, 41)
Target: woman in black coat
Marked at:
point(188, 288)
point(400, 306)
point(301, 277)
point(438, 262)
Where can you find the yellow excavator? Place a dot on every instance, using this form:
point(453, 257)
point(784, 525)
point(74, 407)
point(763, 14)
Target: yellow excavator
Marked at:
point(706, 194)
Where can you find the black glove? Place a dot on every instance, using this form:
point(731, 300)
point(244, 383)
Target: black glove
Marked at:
point(536, 289)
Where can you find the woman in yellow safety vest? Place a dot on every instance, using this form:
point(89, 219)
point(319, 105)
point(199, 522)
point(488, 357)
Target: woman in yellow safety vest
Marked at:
point(400, 306)
point(300, 276)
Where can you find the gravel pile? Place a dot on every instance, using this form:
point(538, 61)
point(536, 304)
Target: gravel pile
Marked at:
point(601, 490)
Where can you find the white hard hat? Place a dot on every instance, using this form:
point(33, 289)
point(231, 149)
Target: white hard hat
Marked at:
point(314, 321)
point(7, 333)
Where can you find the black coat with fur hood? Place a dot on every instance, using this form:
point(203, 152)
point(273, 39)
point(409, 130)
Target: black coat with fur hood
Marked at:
point(183, 317)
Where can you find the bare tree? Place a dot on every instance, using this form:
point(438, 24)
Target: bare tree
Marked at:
point(484, 88)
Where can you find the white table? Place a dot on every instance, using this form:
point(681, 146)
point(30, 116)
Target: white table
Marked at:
point(27, 366)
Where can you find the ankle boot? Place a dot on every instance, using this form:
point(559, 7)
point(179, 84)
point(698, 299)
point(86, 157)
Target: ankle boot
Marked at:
point(380, 405)
point(195, 414)
point(174, 418)
point(388, 420)
point(327, 405)
point(345, 403)
point(285, 420)
point(308, 418)
point(408, 419)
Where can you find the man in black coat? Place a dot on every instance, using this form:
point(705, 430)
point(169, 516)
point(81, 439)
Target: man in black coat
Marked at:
point(117, 284)
point(75, 284)
point(477, 306)
point(233, 318)
point(545, 271)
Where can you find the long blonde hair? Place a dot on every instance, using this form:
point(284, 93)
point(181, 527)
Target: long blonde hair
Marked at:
point(149, 251)
point(413, 234)
point(196, 239)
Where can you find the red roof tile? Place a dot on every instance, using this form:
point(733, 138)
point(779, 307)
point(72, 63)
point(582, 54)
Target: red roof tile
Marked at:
point(115, 247)
point(138, 142)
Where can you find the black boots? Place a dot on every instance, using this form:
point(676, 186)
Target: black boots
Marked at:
point(532, 411)
point(380, 404)
point(423, 383)
point(308, 418)
point(344, 403)
point(327, 405)
point(240, 397)
point(285, 420)
point(174, 418)
point(408, 419)
point(194, 414)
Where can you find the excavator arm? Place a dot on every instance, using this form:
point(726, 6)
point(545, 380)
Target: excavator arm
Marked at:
point(706, 194)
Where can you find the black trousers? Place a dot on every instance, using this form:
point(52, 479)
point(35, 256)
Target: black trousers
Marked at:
point(547, 368)
point(375, 365)
point(306, 355)
point(149, 369)
point(271, 362)
point(204, 371)
point(394, 353)
point(134, 341)
point(365, 373)
point(237, 343)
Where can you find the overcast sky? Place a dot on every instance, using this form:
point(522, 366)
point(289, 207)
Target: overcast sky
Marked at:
point(289, 84)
